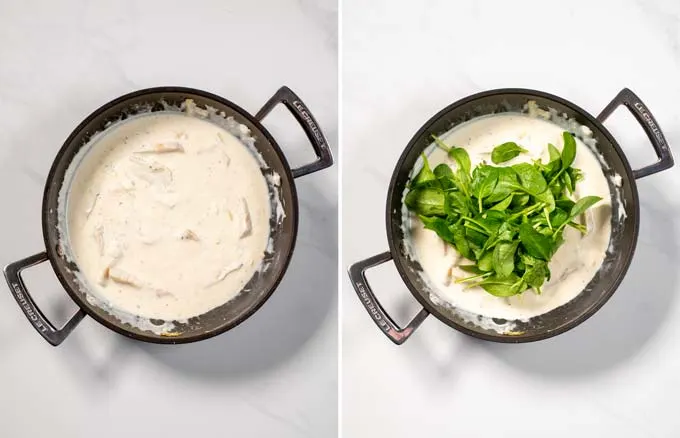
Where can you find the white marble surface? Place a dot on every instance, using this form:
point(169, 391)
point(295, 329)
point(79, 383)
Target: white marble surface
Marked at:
point(616, 374)
point(276, 374)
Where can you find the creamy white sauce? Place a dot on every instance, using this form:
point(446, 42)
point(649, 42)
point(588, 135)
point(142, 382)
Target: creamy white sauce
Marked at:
point(576, 261)
point(168, 216)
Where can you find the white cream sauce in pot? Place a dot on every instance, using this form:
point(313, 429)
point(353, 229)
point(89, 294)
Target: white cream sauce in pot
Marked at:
point(167, 216)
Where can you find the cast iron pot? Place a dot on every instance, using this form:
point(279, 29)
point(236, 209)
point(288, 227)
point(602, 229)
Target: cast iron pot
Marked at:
point(284, 232)
point(623, 237)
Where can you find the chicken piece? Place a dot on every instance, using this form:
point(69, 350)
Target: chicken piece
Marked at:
point(122, 277)
point(246, 223)
point(109, 250)
point(161, 148)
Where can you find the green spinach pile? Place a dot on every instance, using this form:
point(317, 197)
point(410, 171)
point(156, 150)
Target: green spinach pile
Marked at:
point(508, 220)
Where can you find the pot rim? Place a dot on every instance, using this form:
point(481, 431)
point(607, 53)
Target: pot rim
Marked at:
point(503, 338)
point(51, 249)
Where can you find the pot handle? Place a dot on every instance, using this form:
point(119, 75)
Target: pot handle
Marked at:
point(308, 123)
point(357, 274)
point(639, 110)
point(16, 284)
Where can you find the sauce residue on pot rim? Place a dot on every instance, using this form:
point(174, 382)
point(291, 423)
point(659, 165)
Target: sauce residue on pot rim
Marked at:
point(167, 215)
point(574, 264)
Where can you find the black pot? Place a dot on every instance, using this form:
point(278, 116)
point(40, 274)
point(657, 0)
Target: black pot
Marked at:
point(623, 237)
point(283, 232)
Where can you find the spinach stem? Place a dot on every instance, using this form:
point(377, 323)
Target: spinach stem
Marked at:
point(474, 277)
point(486, 230)
point(526, 211)
point(441, 144)
point(555, 177)
point(582, 228)
point(475, 228)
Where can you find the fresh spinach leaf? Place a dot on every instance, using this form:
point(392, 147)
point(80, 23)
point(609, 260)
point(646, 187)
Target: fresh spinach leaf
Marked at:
point(504, 204)
point(443, 171)
point(425, 174)
point(462, 159)
point(575, 175)
point(556, 187)
point(474, 236)
point(487, 185)
point(496, 216)
point(535, 275)
point(461, 241)
point(484, 181)
point(444, 176)
point(531, 179)
point(555, 154)
point(582, 205)
point(565, 204)
point(535, 243)
point(568, 184)
point(568, 151)
point(485, 262)
point(427, 201)
point(506, 152)
point(502, 287)
point(547, 198)
point(457, 203)
point(520, 200)
point(558, 217)
point(459, 155)
point(506, 232)
point(529, 260)
point(439, 226)
point(507, 184)
point(472, 269)
point(504, 258)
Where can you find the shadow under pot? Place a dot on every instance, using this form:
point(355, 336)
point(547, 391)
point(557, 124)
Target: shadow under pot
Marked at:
point(624, 223)
point(281, 195)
